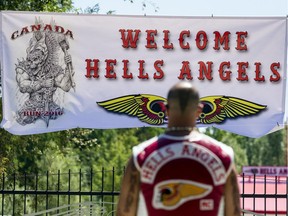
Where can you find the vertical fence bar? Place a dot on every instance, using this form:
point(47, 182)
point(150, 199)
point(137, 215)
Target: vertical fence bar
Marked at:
point(25, 189)
point(3, 185)
point(113, 182)
point(47, 188)
point(36, 189)
point(254, 189)
point(265, 190)
point(287, 193)
point(14, 188)
point(276, 208)
point(80, 187)
point(69, 188)
point(91, 189)
point(243, 187)
point(102, 190)
point(58, 189)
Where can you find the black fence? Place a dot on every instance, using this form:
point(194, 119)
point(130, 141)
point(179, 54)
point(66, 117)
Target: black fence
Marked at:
point(55, 193)
point(92, 192)
point(264, 195)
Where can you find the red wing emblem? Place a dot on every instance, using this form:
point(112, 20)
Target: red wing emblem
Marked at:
point(148, 108)
point(216, 109)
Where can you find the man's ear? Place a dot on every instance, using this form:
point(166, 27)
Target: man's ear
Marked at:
point(167, 109)
point(199, 109)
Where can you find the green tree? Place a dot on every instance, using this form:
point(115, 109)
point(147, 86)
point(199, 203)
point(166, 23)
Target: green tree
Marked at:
point(272, 149)
point(266, 150)
point(36, 5)
point(230, 139)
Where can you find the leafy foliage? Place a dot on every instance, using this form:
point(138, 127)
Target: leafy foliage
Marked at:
point(36, 5)
point(267, 150)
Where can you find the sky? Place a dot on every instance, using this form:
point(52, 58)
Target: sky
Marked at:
point(190, 7)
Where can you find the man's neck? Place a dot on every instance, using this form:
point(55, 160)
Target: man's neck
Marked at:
point(179, 131)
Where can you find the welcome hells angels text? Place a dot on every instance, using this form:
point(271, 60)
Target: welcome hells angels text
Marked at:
point(242, 72)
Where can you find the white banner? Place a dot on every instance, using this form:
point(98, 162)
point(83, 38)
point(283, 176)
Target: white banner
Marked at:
point(62, 71)
point(265, 170)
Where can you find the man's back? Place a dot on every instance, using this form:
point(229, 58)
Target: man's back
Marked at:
point(181, 172)
point(182, 175)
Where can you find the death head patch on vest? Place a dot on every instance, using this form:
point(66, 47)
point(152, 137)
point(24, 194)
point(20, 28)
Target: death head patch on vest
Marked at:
point(171, 194)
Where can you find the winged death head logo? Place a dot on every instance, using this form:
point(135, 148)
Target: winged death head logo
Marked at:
point(173, 193)
point(216, 109)
point(148, 108)
point(151, 108)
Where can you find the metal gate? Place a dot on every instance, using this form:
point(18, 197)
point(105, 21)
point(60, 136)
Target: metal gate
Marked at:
point(96, 193)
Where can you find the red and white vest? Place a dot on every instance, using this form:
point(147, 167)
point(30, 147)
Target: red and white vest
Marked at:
point(182, 175)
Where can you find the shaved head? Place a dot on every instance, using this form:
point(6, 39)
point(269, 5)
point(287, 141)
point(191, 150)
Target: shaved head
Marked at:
point(183, 94)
